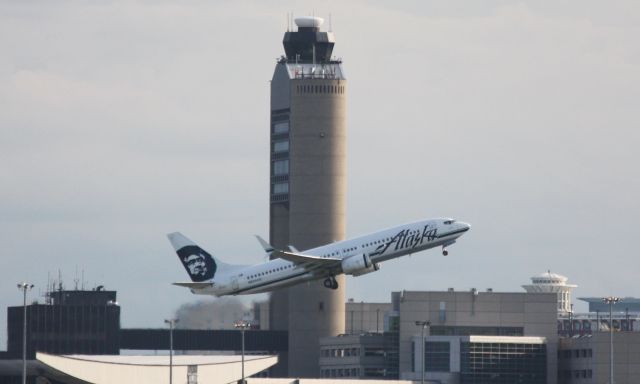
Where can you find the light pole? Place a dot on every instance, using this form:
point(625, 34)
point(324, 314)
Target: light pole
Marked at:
point(571, 321)
point(24, 287)
point(242, 325)
point(424, 325)
point(611, 300)
point(172, 324)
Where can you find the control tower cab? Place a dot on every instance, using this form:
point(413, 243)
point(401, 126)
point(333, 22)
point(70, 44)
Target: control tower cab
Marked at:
point(308, 44)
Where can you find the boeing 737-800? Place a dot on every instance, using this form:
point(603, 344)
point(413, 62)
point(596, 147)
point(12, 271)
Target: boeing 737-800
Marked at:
point(356, 256)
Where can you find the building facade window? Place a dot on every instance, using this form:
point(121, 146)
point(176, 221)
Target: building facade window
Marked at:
point(281, 146)
point(281, 127)
point(281, 167)
point(502, 363)
point(437, 356)
point(279, 188)
point(443, 330)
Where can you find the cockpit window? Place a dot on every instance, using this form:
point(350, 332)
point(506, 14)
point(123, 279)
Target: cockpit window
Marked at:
point(448, 222)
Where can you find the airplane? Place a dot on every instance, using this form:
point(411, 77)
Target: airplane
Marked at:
point(357, 256)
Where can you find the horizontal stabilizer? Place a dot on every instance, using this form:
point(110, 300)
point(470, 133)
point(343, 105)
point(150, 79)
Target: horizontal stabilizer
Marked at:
point(194, 285)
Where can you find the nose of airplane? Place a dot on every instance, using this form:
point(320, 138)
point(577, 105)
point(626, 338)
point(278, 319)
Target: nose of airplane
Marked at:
point(465, 226)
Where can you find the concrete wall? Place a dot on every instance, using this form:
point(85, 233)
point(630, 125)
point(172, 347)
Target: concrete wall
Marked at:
point(365, 317)
point(314, 213)
point(317, 215)
point(279, 212)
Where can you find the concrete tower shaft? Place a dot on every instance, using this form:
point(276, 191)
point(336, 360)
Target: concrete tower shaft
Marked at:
point(308, 187)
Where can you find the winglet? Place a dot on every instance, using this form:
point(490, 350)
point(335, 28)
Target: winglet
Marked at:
point(293, 249)
point(266, 246)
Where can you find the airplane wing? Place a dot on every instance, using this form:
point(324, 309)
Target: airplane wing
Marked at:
point(194, 285)
point(300, 258)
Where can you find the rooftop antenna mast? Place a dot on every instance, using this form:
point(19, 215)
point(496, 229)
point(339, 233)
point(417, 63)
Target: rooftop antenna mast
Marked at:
point(76, 280)
point(47, 297)
point(330, 26)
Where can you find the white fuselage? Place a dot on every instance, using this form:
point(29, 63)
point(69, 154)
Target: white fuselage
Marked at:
point(378, 246)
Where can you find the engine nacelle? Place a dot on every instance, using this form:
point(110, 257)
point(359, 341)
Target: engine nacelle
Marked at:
point(357, 265)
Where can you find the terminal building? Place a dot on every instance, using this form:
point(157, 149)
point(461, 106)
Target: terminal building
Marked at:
point(475, 337)
point(470, 337)
point(587, 341)
point(69, 322)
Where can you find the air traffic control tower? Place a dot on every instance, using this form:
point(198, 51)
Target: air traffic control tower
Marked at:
point(308, 184)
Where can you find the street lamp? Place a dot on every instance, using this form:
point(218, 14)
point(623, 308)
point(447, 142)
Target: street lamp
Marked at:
point(424, 325)
point(242, 325)
point(24, 287)
point(172, 324)
point(611, 300)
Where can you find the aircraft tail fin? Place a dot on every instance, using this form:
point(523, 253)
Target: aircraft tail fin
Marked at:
point(199, 264)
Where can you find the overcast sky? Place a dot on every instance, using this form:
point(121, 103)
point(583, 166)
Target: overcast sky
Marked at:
point(123, 121)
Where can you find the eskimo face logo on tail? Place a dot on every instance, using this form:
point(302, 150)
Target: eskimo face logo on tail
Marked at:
point(198, 263)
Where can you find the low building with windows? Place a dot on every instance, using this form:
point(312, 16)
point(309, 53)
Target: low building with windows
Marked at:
point(482, 359)
point(471, 337)
point(586, 359)
point(362, 356)
point(520, 318)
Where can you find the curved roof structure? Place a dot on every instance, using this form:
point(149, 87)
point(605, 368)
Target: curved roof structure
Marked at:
point(549, 278)
point(107, 369)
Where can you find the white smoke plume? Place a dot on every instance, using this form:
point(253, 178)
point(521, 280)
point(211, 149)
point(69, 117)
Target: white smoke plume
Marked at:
point(218, 313)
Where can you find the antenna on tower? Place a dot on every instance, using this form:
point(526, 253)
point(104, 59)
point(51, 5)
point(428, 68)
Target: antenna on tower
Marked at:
point(330, 26)
point(288, 30)
point(47, 295)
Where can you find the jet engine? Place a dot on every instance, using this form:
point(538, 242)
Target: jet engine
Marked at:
point(357, 265)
